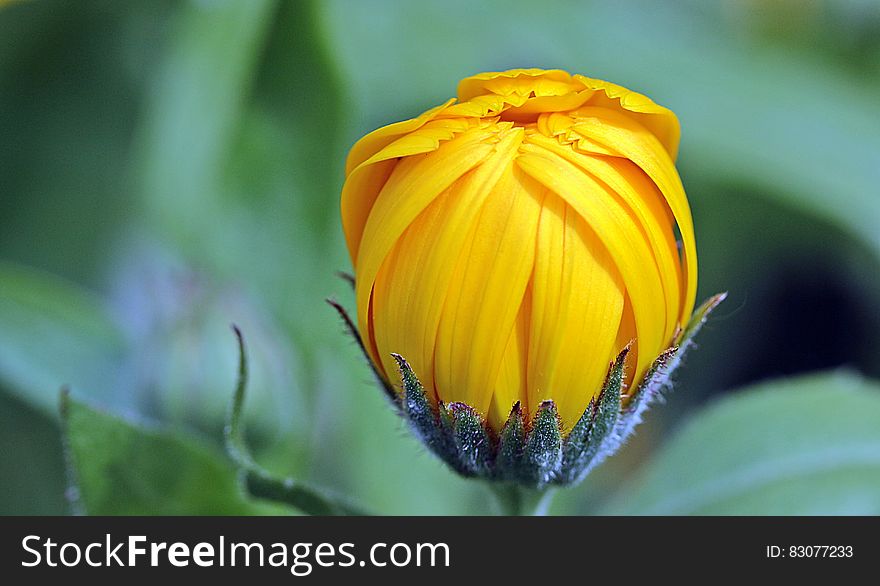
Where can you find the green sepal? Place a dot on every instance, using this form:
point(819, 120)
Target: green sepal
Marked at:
point(416, 405)
point(422, 417)
point(646, 394)
point(591, 438)
point(658, 376)
point(352, 331)
point(699, 317)
point(542, 456)
point(575, 447)
point(510, 445)
point(685, 339)
point(473, 445)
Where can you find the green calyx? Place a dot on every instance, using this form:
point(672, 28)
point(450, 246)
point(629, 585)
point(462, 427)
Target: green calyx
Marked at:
point(534, 453)
point(531, 453)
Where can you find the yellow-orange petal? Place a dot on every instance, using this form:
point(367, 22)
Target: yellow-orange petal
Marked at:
point(373, 142)
point(486, 292)
point(577, 302)
point(413, 185)
point(617, 230)
point(407, 317)
point(660, 121)
point(633, 141)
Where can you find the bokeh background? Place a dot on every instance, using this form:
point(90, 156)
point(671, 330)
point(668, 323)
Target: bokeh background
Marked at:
point(170, 167)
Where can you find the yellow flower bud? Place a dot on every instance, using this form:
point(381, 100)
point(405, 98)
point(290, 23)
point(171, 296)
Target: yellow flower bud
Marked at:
point(510, 243)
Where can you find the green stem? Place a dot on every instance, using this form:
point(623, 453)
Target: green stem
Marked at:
point(259, 482)
point(515, 500)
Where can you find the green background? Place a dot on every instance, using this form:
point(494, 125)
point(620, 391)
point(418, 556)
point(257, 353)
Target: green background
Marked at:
point(168, 168)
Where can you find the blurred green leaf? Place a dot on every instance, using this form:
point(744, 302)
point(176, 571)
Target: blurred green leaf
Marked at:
point(192, 112)
point(53, 333)
point(804, 446)
point(118, 467)
point(72, 75)
point(238, 162)
point(32, 437)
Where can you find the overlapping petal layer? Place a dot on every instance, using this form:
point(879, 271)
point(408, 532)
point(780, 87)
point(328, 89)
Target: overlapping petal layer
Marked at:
point(511, 243)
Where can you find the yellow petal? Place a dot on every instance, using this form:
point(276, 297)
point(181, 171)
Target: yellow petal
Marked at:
point(372, 143)
point(409, 291)
point(358, 197)
point(522, 81)
point(428, 248)
point(621, 235)
point(520, 94)
point(577, 300)
point(627, 335)
point(641, 196)
point(632, 141)
point(559, 125)
point(415, 182)
point(660, 121)
point(366, 180)
point(486, 292)
point(423, 140)
point(512, 382)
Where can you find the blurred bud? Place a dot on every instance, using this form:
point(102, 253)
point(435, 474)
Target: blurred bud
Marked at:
point(509, 247)
point(178, 317)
